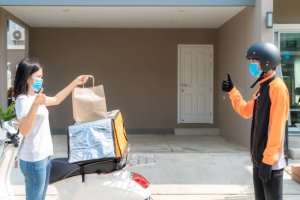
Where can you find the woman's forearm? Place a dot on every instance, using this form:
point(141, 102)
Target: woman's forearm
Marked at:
point(61, 95)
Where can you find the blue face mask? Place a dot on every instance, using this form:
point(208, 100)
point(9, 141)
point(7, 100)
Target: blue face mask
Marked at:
point(253, 70)
point(37, 84)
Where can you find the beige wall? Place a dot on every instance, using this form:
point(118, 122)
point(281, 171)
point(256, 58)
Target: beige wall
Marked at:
point(286, 11)
point(138, 68)
point(234, 39)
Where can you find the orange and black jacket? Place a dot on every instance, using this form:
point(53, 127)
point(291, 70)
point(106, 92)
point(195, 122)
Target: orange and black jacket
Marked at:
point(269, 109)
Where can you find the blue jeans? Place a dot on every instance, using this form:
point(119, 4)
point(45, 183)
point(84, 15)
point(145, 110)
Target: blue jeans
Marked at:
point(36, 178)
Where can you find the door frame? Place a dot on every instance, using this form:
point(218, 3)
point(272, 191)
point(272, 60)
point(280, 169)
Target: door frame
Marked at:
point(211, 78)
point(286, 28)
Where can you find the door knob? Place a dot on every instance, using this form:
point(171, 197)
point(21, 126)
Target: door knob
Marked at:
point(184, 85)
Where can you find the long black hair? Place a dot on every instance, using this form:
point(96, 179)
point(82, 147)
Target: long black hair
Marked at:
point(25, 68)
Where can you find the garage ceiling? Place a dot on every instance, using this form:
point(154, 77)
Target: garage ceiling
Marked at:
point(125, 17)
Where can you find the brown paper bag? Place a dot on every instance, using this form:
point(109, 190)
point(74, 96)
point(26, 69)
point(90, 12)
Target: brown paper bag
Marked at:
point(89, 104)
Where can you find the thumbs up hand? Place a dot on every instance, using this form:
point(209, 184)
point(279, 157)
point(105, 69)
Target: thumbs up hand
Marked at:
point(40, 99)
point(227, 85)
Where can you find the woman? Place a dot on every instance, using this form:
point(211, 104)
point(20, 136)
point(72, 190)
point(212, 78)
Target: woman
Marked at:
point(32, 113)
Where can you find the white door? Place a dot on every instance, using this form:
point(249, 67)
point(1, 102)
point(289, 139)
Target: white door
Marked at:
point(195, 84)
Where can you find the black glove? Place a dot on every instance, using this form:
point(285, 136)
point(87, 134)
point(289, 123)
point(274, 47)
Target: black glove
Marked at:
point(265, 172)
point(227, 85)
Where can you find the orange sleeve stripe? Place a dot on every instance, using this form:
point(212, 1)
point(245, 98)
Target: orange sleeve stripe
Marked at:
point(245, 109)
point(278, 116)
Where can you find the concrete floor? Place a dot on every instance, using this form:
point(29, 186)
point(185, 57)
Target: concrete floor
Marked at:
point(187, 168)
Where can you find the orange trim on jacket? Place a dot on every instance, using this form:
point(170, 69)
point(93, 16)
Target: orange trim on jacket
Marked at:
point(245, 109)
point(279, 114)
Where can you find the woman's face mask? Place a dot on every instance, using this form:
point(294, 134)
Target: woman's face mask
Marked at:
point(254, 70)
point(37, 84)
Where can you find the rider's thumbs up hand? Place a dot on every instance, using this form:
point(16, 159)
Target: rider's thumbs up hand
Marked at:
point(40, 99)
point(227, 85)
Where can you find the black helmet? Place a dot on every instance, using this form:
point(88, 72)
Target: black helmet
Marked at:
point(267, 54)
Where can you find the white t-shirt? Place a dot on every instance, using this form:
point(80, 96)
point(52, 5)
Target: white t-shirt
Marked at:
point(38, 142)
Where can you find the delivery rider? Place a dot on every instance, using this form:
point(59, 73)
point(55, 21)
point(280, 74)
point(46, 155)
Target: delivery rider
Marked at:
point(269, 109)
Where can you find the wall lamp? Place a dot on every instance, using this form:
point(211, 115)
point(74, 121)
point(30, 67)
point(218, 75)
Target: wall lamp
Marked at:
point(269, 20)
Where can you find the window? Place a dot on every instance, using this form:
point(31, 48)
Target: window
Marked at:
point(15, 36)
point(16, 51)
point(290, 52)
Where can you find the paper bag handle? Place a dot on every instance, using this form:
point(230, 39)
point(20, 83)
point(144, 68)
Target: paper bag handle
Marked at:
point(93, 82)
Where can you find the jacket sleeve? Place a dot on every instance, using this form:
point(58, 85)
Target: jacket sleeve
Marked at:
point(245, 109)
point(278, 116)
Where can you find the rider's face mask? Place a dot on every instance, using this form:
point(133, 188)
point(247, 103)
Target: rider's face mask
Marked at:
point(37, 84)
point(254, 70)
